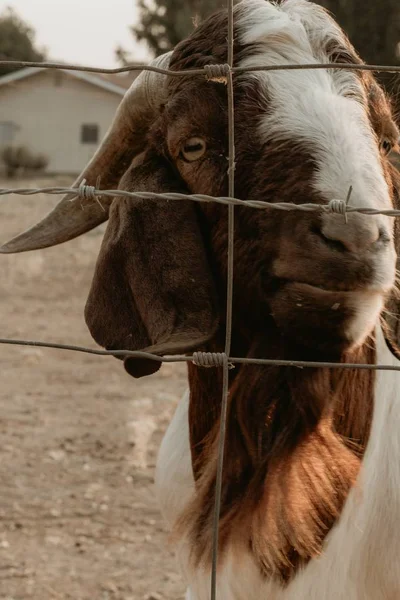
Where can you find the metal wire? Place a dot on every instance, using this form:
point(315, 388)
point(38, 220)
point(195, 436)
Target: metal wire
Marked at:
point(229, 307)
point(17, 64)
point(333, 206)
point(179, 358)
point(208, 360)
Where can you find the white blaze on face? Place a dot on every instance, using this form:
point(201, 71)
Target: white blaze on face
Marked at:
point(323, 111)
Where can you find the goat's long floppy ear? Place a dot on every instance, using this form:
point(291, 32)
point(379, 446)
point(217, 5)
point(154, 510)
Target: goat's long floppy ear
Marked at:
point(152, 287)
point(74, 216)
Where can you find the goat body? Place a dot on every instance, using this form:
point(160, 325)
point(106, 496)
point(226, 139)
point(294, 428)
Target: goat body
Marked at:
point(300, 513)
point(359, 559)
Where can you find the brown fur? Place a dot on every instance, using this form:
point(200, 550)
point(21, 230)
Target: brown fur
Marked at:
point(295, 438)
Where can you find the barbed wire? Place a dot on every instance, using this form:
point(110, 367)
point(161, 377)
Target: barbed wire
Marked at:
point(183, 358)
point(335, 205)
point(17, 64)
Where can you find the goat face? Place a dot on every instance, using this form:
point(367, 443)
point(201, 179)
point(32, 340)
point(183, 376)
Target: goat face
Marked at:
point(301, 137)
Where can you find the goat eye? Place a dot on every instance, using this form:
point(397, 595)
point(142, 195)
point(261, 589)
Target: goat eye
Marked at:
point(193, 149)
point(386, 146)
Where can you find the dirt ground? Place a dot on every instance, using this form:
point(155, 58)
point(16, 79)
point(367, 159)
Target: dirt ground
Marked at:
point(78, 436)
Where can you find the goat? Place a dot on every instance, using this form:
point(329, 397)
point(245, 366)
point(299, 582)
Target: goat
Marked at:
point(311, 484)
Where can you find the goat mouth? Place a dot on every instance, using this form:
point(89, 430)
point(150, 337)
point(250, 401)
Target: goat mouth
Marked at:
point(331, 289)
point(335, 289)
point(327, 320)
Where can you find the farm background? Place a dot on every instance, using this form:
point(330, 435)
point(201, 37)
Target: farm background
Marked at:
point(78, 437)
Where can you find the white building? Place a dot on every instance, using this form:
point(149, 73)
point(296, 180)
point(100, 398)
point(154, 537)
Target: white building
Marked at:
point(59, 113)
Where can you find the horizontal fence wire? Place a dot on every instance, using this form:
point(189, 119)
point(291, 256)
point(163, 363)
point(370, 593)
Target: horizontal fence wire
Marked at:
point(17, 64)
point(182, 358)
point(85, 192)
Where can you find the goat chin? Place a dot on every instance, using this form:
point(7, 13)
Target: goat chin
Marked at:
point(367, 308)
point(323, 321)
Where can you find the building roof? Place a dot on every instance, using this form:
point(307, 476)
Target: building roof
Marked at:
point(116, 83)
point(120, 79)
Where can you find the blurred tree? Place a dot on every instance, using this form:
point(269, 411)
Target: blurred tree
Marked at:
point(17, 40)
point(164, 23)
point(374, 29)
point(372, 26)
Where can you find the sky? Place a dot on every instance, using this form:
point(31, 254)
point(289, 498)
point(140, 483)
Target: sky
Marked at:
point(81, 31)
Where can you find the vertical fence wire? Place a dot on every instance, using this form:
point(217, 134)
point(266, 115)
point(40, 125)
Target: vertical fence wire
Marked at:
point(229, 304)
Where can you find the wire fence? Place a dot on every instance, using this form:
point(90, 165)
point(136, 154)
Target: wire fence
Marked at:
point(19, 64)
point(90, 192)
point(222, 360)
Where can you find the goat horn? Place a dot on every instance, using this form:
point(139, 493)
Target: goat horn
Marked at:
point(74, 216)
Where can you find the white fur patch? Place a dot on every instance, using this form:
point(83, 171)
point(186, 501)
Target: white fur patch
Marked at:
point(367, 307)
point(174, 475)
point(323, 110)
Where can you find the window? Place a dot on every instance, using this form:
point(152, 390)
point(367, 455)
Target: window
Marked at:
point(89, 134)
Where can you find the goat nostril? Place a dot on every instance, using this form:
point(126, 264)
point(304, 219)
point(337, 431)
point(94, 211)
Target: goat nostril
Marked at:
point(333, 244)
point(359, 234)
point(384, 237)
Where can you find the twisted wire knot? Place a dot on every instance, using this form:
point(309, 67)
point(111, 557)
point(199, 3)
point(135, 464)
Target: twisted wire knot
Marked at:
point(217, 73)
point(339, 207)
point(86, 192)
point(208, 360)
